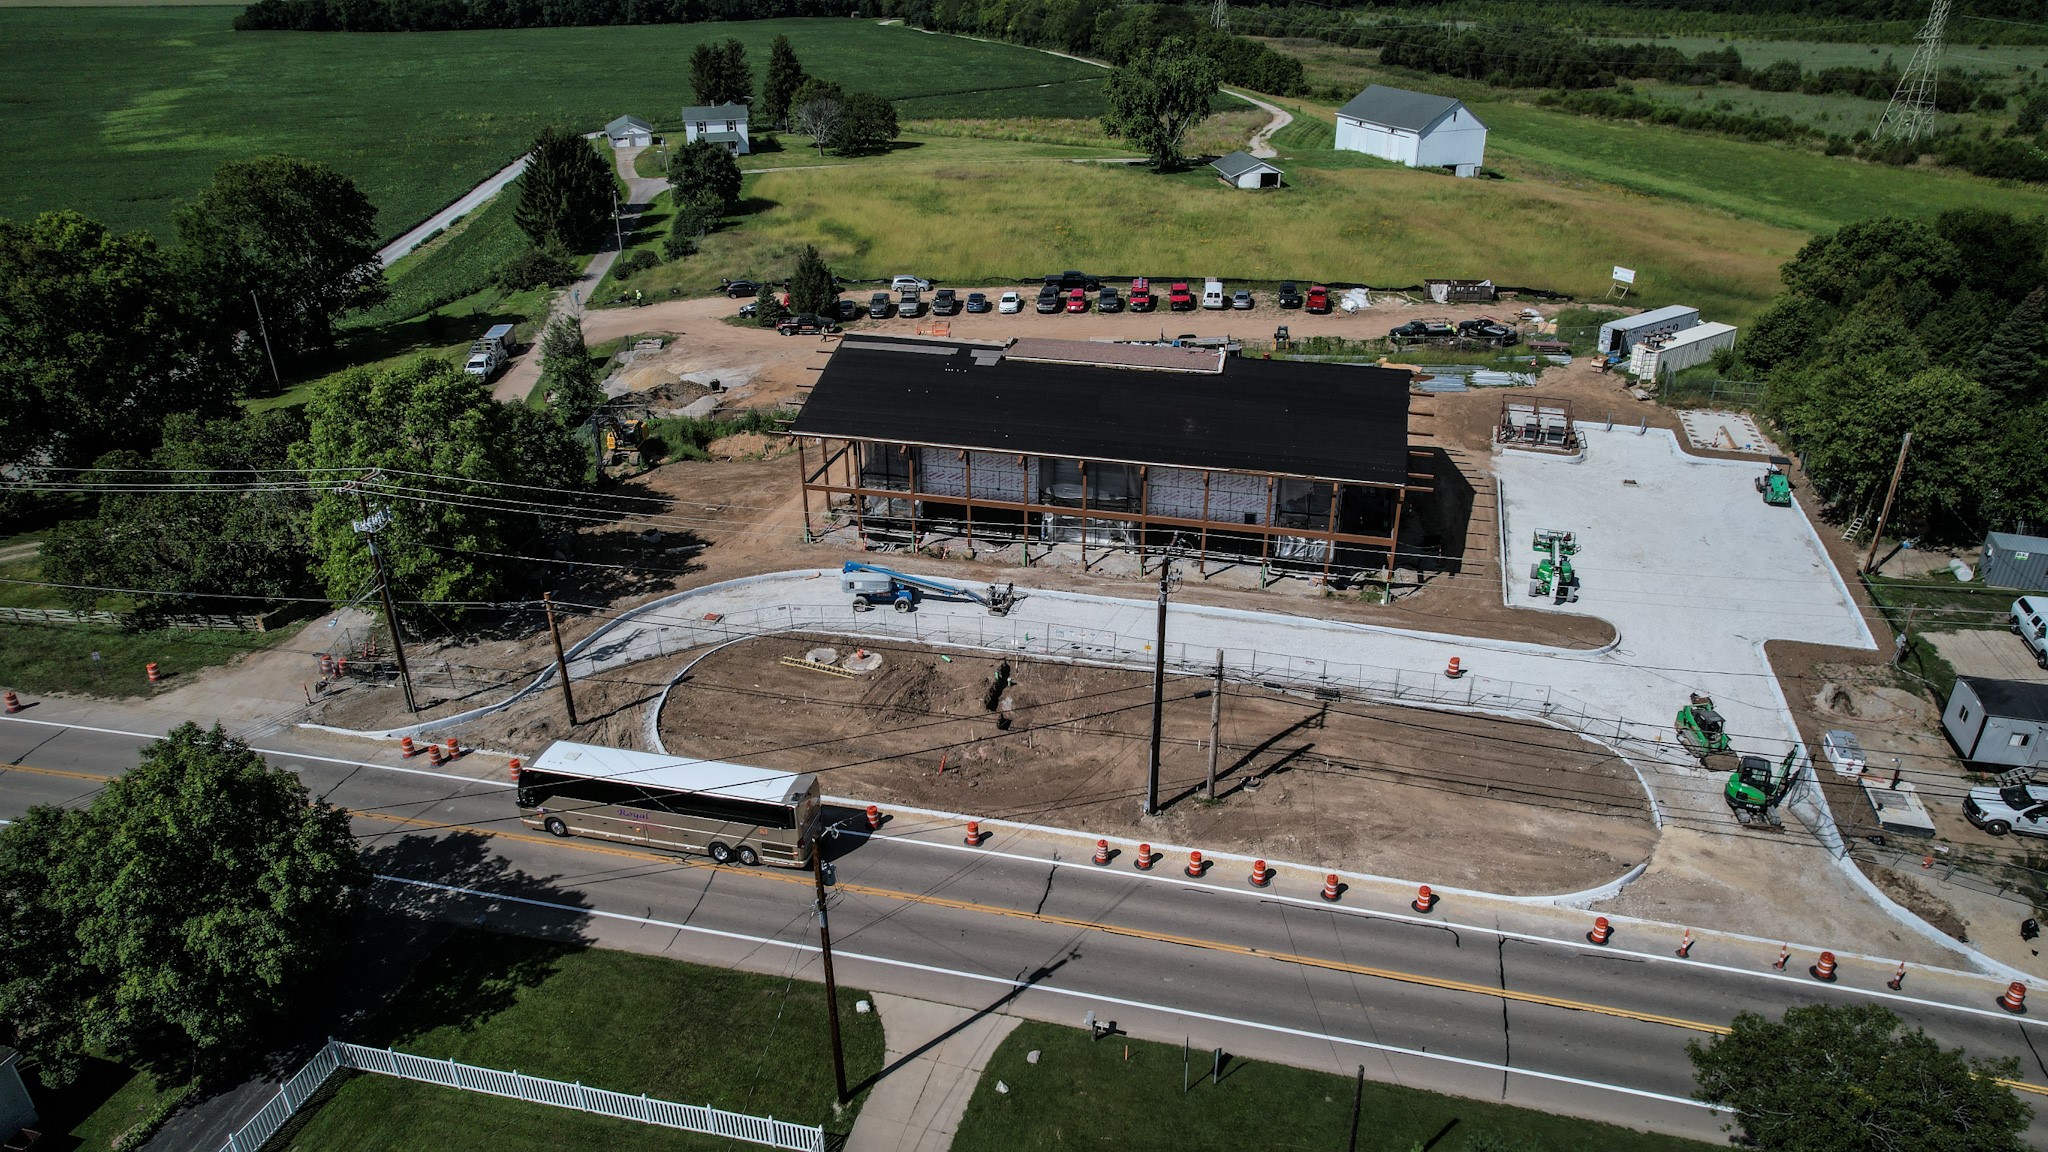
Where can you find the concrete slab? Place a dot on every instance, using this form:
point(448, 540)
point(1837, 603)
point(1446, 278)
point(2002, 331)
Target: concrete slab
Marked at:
point(1995, 655)
point(934, 1057)
point(1725, 431)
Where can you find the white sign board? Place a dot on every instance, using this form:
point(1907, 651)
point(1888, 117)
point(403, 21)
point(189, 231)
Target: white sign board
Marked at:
point(1624, 275)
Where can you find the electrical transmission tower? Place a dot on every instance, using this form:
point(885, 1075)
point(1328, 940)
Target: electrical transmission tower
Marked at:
point(1219, 14)
point(1911, 111)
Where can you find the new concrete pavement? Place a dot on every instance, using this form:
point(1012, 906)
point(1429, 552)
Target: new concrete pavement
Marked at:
point(1458, 1006)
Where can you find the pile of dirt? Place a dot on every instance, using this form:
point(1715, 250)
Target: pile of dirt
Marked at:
point(1918, 900)
point(1330, 782)
point(1876, 703)
point(748, 446)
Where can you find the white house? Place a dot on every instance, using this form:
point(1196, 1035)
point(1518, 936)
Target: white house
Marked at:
point(1413, 128)
point(1244, 170)
point(719, 123)
point(630, 132)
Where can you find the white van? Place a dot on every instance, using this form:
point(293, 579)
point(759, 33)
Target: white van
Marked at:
point(2028, 623)
point(1212, 295)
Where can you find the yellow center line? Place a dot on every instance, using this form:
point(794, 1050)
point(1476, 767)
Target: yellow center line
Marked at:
point(55, 772)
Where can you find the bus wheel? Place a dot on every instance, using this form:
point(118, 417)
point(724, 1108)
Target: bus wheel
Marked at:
point(749, 857)
point(719, 854)
point(555, 827)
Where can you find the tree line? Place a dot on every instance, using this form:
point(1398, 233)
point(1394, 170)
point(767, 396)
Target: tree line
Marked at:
point(1934, 327)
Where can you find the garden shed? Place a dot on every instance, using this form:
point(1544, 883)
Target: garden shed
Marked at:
point(2014, 561)
point(1244, 170)
point(1413, 128)
point(630, 132)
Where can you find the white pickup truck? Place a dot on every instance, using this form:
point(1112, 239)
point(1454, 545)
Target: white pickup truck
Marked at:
point(2029, 623)
point(489, 354)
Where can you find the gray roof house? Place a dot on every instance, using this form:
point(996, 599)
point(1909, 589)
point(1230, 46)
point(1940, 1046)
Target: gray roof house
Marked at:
point(1244, 170)
point(1413, 128)
point(718, 123)
point(630, 132)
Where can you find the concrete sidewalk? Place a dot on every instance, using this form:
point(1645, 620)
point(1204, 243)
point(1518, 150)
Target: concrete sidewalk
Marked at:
point(934, 1057)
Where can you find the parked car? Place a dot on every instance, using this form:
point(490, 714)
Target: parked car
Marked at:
point(734, 289)
point(1108, 300)
point(1490, 330)
point(750, 309)
point(945, 303)
point(1069, 280)
point(804, 324)
point(1077, 300)
point(880, 306)
point(1178, 298)
point(1212, 295)
point(1009, 305)
point(1049, 299)
point(846, 309)
point(2022, 808)
point(2028, 623)
point(1318, 301)
point(1142, 299)
point(1421, 331)
point(913, 283)
point(1241, 300)
point(977, 302)
point(1289, 295)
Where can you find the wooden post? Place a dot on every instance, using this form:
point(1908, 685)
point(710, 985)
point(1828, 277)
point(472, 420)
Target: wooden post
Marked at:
point(1084, 516)
point(1144, 510)
point(967, 459)
point(1202, 561)
point(1266, 541)
point(803, 474)
point(1336, 503)
point(831, 985)
point(1394, 540)
point(1898, 470)
point(910, 471)
point(1215, 724)
point(561, 664)
point(857, 475)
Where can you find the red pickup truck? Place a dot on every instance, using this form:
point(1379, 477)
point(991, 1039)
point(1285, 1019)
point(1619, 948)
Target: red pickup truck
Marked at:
point(1179, 299)
point(1318, 300)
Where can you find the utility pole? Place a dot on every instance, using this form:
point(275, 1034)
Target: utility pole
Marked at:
point(561, 664)
point(369, 527)
point(1898, 470)
point(1158, 691)
point(264, 331)
point(618, 231)
point(1357, 1106)
point(831, 985)
point(1215, 723)
point(1905, 637)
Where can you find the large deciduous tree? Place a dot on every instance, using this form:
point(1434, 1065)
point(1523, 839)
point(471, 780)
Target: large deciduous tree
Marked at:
point(815, 111)
point(241, 534)
point(448, 452)
point(566, 194)
point(1846, 1078)
point(867, 123)
point(701, 166)
point(1156, 97)
point(189, 906)
point(785, 76)
point(292, 239)
point(719, 73)
point(102, 337)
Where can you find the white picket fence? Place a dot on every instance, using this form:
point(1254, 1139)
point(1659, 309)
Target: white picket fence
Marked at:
point(337, 1055)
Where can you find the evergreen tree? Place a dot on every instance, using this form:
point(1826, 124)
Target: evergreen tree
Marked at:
point(2010, 361)
point(785, 76)
point(568, 377)
point(767, 309)
point(565, 194)
point(719, 73)
point(810, 287)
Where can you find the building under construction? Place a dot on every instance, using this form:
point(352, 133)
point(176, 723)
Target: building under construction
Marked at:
point(1294, 465)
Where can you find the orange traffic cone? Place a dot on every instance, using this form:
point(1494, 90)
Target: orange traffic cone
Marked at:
point(1101, 853)
point(1143, 860)
point(154, 675)
point(1602, 930)
point(974, 833)
point(1685, 945)
point(1784, 957)
point(514, 766)
point(405, 747)
point(1196, 865)
point(1454, 669)
point(1824, 969)
point(1331, 889)
point(1898, 979)
point(434, 755)
point(1424, 900)
point(1261, 875)
point(13, 703)
point(874, 817)
point(2015, 998)
point(454, 748)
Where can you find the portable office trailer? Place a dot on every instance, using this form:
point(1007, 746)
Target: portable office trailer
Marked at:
point(2012, 561)
point(1998, 723)
point(1624, 333)
point(1655, 359)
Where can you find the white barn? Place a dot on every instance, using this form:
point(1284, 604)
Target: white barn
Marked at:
point(1413, 128)
point(719, 123)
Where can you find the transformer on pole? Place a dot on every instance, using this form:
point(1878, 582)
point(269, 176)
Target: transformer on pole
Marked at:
point(1911, 111)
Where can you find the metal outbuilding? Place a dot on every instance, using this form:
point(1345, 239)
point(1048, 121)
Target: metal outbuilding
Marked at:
point(1998, 722)
point(1244, 170)
point(2012, 561)
point(630, 132)
point(1625, 332)
point(1660, 356)
point(1412, 128)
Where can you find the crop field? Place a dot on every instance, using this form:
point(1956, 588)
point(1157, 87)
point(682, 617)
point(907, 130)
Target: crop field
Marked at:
point(1814, 55)
point(121, 112)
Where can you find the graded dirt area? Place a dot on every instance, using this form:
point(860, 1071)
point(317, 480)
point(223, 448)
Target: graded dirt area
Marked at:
point(1460, 800)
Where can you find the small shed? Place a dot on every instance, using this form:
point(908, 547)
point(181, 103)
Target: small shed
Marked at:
point(1412, 128)
point(1625, 332)
point(17, 1111)
point(1998, 722)
point(1661, 355)
point(630, 132)
point(1244, 170)
point(1461, 291)
point(2013, 561)
point(724, 124)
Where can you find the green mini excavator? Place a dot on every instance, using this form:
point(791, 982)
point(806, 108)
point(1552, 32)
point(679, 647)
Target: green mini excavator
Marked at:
point(1701, 729)
point(1757, 787)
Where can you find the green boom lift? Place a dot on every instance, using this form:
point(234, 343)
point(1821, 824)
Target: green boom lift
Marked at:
point(1701, 729)
point(1554, 576)
point(1757, 786)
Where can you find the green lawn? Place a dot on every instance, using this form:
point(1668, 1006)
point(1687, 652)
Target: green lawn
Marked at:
point(104, 1101)
point(1083, 1093)
point(119, 112)
point(614, 1020)
point(38, 658)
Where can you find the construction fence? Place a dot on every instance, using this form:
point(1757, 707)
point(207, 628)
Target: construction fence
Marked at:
point(339, 1055)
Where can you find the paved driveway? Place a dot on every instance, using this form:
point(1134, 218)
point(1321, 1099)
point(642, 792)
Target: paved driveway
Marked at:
point(1995, 655)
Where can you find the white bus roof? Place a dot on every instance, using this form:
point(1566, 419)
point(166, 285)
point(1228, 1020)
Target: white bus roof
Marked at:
point(737, 781)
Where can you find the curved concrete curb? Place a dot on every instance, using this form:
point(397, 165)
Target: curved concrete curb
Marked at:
point(652, 719)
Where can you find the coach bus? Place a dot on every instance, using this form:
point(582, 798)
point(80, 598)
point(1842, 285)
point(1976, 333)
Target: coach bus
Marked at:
point(729, 812)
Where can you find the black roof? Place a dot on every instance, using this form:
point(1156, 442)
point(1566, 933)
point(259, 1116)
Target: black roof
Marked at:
point(1294, 418)
point(2011, 699)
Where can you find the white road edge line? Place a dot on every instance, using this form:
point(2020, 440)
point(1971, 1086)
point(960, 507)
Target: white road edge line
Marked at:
point(1076, 994)
point(279, 752)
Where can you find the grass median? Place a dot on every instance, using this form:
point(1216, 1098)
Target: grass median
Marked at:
point(1085, 1093)
point(614, 1020)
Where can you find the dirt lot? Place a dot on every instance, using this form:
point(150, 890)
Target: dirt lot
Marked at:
point(1340, 783)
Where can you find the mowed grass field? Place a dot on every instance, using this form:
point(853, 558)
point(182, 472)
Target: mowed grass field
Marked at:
point(121, 112)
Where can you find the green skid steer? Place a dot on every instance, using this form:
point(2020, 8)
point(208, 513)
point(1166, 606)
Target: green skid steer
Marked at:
point(1701, 729)
point(1776, 487)
point(1554, 576)
point(1757, 787)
